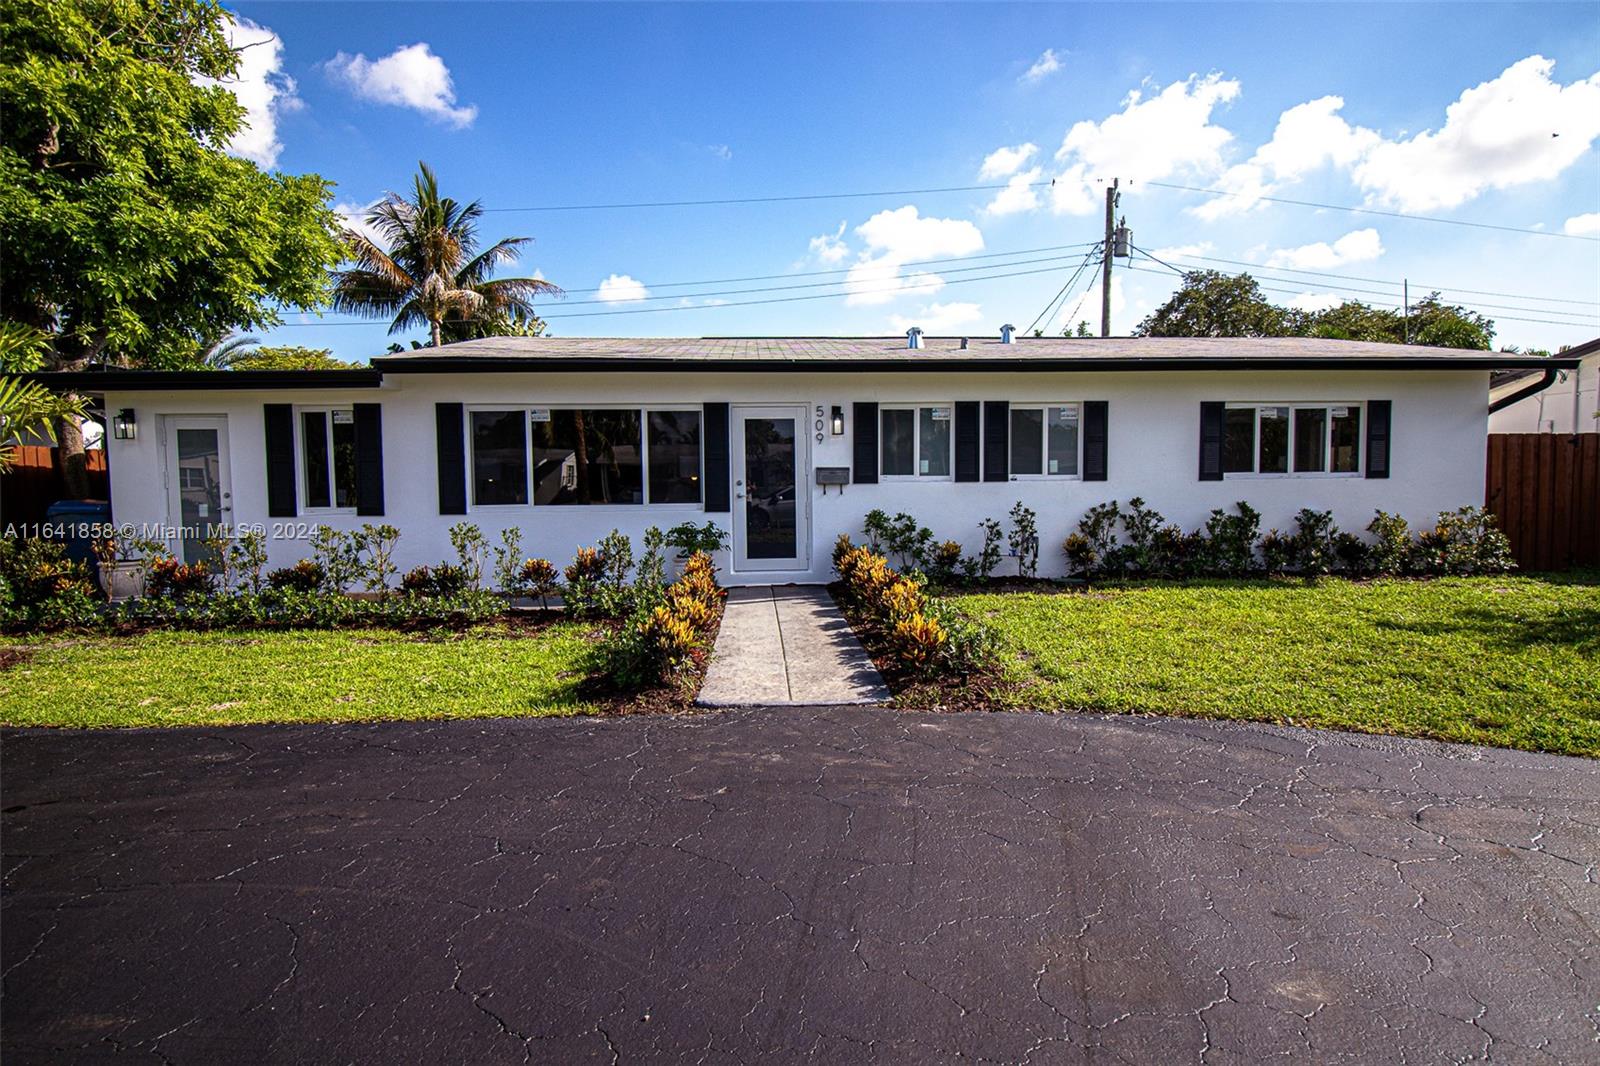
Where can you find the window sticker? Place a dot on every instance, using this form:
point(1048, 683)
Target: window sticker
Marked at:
point(343, 418)
point(939, 414)
point(539, 414)
point(1341, 412)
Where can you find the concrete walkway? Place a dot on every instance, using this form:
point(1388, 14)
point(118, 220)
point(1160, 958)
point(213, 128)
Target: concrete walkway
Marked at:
point(787, 645)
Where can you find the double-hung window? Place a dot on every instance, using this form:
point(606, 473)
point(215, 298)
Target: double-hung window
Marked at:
point(1292, 439)
point(915, 440)
point(328, 458)
point(1045, 440)
point(585, 456)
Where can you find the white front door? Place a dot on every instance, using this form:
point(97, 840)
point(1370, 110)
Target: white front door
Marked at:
point(771, 527)
point(199, 488)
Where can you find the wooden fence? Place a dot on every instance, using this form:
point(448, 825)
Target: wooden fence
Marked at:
point(1545, 490)
point(29, 488)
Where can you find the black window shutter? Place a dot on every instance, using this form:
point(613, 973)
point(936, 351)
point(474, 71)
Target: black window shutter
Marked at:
point(996, 440)
point(715, 425)
point(1212, 413)
point(280, 460)
point(369, 458)
point(968, 440)
point(1094, 440)
point(866, 444)
point(1378, 416)
point(450, 422)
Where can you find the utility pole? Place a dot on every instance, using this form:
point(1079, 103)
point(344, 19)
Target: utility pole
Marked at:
point(1105, 281)
point(1406, 317)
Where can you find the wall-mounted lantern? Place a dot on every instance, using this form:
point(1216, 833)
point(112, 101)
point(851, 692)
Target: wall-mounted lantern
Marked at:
point(124, 426)
point(838, 421)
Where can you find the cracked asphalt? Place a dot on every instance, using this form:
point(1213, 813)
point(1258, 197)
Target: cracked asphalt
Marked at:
point(829, 884)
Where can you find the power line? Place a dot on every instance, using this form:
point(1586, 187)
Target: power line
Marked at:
point(1376, 211)
point(910, 288)
point(759, 199)
point(813, 284)
point(1386, 281)
point(1587, 316)
point(1050, 306)
point(1170, 271)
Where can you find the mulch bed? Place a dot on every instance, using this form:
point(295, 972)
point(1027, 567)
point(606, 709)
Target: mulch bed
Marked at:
point(976, 691)
point(673, 697)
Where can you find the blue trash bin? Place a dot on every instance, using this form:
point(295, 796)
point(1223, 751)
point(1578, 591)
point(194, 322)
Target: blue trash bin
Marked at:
point(78, 524)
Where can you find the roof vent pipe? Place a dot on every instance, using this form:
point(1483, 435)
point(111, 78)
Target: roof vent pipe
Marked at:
point(963, 344)
point(1005, 333)
point(914, 337)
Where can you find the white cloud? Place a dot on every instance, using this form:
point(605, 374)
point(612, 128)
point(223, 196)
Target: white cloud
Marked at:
point(1046, 65)
point(1515, 129)
point(354, 217)
point(1148, 140)
point(620, 288)
point(407, 77)
point(896, 237)
point(1017, 196)
point(1357, 246)
point(938, 318)
point(1308, 136)
point(1184, 251)
point(261, 88)
point(721, 151)
point(1314, 301)
point(1003, 162)
point(1582, 225)
point(830, 248)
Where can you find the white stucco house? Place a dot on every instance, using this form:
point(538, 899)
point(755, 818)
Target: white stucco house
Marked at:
point(788, 442)
point(1569, 404)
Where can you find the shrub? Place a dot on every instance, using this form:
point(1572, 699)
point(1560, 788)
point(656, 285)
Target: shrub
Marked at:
point(444, 580)
point(35, 571)
point(1394, 551)
point(338, 556)
point(925, 635)
point(901, 535)
point(1093, 549)
point(538, 577)
point(1312, 548)
point(651, 575)
point(916, 640)
point(983, 565)
point(1024, 539)
point(168, 577)
point(508, 562)
point(690, 539)
point(375, 555)
point(661, 640)
point(1136, 555)
point(1463, 543)
point(471, 550)
point(304, 576)
point(1352, 554)
point(944, 561)
point(1277, 551)
point(1227, 547)
point(247, 557)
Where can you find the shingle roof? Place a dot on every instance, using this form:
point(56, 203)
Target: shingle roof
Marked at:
point(853, 352)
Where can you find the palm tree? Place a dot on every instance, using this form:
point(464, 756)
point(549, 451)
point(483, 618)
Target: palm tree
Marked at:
point(431, 270)
point(221, 353)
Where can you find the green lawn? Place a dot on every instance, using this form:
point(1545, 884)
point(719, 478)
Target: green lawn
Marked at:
point(230, 678)
point(1511, 661)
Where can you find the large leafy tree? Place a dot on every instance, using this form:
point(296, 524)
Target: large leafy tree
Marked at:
point(290, 357)
point(1213, 304)
point(128, 235)
point(426, 268)
point(27, 409)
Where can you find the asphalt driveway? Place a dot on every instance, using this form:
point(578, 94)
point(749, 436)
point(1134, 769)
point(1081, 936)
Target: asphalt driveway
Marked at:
point(838, 885)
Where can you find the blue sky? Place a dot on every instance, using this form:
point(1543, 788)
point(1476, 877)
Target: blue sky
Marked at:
point(1476, 113)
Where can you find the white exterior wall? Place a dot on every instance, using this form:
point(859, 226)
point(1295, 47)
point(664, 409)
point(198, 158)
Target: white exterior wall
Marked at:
point(1437, 448)
point(1567, 406)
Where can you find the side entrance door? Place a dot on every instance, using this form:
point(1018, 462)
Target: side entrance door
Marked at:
point(199, 488)
point(771, 527)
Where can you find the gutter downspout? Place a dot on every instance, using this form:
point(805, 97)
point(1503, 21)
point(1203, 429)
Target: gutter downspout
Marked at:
point(1522, 394)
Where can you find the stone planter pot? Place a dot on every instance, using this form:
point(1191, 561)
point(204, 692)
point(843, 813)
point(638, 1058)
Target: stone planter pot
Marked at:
point(121, 580)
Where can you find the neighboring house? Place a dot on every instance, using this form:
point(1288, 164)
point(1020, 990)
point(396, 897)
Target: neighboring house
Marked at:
point(789, 442)
point(1567, 406)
